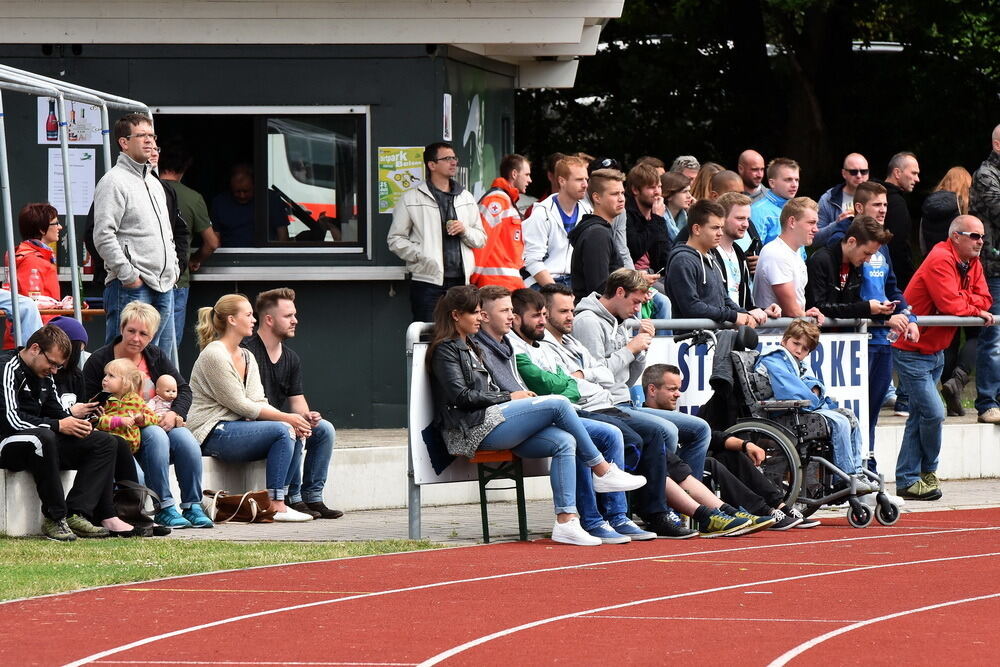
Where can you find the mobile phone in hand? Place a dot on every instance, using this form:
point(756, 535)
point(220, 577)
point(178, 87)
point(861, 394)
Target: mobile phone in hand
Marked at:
point(100, 397)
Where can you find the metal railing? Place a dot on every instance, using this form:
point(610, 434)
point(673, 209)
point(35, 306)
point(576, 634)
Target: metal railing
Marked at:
point(21, 81)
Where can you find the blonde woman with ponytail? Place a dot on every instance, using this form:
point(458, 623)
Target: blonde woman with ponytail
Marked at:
point(230, 416)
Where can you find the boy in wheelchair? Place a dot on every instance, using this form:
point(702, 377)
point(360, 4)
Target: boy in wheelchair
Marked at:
point(791, 380)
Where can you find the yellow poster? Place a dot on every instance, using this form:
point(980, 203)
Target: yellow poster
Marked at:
point(399, 169)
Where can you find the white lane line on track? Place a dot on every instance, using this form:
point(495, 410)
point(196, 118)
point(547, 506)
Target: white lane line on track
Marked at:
point(479, 641)
point(805, 646)
point(204, 626)
point(243, 662)
point(723, 619)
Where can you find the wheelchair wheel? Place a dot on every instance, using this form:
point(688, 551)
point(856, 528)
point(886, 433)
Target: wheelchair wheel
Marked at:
point(781, 464)
point(859, 515)
point(886, 512)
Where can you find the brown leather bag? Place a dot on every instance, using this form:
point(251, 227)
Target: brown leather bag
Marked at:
point(250, 507)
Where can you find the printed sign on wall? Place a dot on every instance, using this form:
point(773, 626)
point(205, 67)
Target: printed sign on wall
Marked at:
point(84, 122)
point(399, 169)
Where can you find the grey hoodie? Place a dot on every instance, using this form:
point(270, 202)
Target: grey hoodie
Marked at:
point(498, 357)
point(132, 230)
point(696, 287)
point(605, 337)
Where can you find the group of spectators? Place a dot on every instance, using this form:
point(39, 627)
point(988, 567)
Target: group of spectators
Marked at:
point(694, 241)
point(125, 412)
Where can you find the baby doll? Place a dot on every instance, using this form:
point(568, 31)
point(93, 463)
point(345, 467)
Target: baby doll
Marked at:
point(166, 392)
point(125, 412)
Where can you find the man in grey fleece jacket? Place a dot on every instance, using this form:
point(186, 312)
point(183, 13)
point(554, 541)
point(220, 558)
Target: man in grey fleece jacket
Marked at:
point(599, 326)
point(132, 232)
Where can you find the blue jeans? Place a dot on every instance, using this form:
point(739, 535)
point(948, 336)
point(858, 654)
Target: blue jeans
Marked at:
point(180, 313)
point(157, 450)
point(27, 313)
point(691, 440)
point(661, 311)
point(535, 428)
point(879, 381)
point(846, 442)
point(608, 440)
point(117, 296)
point(921, 446)
point(241, 441)
point(988, 357)
point(307, 484)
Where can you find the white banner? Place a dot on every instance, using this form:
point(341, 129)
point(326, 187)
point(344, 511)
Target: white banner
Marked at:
point(840, 362)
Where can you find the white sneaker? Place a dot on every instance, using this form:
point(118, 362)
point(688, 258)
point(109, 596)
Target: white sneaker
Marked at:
point(616, 479)
point(572, 532)
point(290, 515)
point(870, 500)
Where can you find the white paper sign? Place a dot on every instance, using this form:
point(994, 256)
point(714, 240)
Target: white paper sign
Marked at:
point(83, 122)
point(81, 176)
point(840, 362)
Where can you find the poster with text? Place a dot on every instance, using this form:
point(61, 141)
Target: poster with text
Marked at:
point(83, 123)
point(399, 169)
point(81, 176)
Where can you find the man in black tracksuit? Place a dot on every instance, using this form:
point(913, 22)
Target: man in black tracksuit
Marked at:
point(594, 252)
point(835, 272)
point(40, 436)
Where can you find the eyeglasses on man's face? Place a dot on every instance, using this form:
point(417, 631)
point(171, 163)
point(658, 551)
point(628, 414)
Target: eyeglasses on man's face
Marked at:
point(53, 365)
point(857, 172)
point(141, 136)
point(447, 158)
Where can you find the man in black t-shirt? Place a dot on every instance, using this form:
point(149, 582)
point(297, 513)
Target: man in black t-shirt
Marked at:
point(281, 375)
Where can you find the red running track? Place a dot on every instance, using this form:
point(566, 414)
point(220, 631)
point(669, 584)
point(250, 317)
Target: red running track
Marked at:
point(922, 592)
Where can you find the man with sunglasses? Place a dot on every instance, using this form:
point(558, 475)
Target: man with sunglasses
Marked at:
point(133, 233)
point(434, 228)
point(837, 203)
point(950, 281)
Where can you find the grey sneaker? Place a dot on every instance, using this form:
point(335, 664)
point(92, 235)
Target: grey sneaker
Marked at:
point(83, 528)
point(991, 416)
point(803, 521)
point(931, 480)
point(57, 530)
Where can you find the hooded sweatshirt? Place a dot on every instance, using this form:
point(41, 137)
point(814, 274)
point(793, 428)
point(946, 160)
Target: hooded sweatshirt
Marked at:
point(594, 255)
point(697, 288)
point(498, 357)
point(605, 337)
point(132, 231)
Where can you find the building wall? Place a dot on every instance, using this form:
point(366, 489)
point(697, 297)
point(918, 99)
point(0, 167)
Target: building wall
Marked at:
point(351, 332)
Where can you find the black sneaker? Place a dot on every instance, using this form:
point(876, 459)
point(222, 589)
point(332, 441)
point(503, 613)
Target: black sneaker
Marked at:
point(806, 522)
point(668, 526)
point(323, 512)
point(301, 507)
point(784, 521)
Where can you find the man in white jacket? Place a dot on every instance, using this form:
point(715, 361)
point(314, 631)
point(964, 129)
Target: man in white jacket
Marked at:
point(434, 228)
point(132, 231)
point(547, 251)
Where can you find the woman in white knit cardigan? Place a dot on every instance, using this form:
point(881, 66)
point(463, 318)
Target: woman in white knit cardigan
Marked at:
point(229, 415)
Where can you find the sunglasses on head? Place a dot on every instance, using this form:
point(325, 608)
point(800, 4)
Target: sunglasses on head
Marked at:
point(975, 236)
point(856, 172)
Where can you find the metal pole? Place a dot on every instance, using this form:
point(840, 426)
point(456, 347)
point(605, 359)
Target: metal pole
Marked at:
point(106, 138)
point(8, 217)
point(70, 221)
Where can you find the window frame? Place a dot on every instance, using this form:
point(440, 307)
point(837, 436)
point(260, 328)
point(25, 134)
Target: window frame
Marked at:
point(261, 114)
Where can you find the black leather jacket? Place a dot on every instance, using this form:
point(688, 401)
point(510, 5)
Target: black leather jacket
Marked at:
point(462, 386)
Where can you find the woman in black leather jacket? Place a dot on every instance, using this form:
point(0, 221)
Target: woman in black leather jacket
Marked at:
point(472, 414)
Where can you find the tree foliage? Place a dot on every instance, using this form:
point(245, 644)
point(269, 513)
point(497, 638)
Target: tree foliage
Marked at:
point(804, 78)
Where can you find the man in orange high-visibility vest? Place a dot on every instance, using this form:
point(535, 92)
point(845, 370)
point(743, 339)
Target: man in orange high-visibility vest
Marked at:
point(499, 262)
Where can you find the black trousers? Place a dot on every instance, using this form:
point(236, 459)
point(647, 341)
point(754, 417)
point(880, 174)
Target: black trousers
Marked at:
point(741, 484)
point(644, 455)
point(44, 453)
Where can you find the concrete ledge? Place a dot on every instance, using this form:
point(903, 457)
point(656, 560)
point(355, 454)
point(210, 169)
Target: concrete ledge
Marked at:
point(368, 471)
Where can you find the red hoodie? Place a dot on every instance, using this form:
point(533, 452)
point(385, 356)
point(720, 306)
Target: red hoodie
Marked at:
point(500, 260)
point(27, 256)
point(938, 288)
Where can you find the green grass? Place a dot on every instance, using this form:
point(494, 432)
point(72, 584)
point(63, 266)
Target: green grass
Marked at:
point(32, 566)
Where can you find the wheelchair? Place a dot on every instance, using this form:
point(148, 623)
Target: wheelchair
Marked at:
point(797, 443)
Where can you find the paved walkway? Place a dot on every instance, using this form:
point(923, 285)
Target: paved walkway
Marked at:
point(461, 524)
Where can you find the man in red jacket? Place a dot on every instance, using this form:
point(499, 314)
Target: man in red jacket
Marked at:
point(949, 282)
point(499, 262)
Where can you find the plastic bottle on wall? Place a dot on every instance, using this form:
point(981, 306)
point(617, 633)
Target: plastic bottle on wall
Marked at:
point(34, 284)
